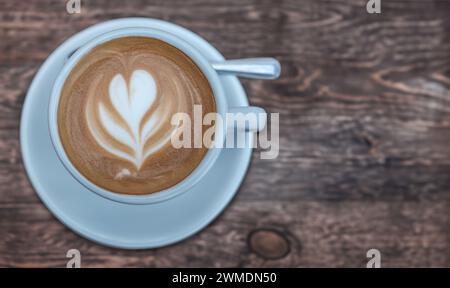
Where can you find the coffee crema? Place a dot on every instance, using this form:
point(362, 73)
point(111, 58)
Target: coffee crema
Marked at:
point(115, 109)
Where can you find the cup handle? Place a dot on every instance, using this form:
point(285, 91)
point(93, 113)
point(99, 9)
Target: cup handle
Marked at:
point(253, 124)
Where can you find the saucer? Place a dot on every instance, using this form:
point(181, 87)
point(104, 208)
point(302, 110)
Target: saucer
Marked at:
point(111, 223)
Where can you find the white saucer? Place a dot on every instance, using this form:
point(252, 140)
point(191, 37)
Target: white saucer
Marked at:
point(111, 223)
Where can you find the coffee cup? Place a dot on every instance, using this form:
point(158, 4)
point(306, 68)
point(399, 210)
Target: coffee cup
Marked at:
point(220, 102)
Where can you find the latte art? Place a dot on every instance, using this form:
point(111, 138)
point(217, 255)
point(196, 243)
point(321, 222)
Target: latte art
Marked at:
point(126, 122)
point(115, 109)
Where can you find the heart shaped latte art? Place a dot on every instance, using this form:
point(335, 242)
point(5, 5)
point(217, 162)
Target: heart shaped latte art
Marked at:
point(124, 125)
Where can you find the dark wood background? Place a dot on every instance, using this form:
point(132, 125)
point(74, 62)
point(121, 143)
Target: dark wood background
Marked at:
point(364, 103)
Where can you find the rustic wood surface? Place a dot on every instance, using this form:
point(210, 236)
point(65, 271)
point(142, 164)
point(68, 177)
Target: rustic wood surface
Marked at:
point(364, 103)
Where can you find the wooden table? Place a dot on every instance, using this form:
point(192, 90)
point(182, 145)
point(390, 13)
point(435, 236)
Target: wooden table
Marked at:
point(364, 103)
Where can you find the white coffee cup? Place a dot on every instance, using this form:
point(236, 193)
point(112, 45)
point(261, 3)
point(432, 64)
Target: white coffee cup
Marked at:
point(222, 108)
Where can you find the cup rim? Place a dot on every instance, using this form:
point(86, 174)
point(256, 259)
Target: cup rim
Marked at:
point(202, 63)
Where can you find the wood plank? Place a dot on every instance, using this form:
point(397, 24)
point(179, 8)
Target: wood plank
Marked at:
point(408, 233)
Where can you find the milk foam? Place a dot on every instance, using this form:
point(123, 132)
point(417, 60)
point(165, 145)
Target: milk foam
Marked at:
point(131, 102)
point(115, 109)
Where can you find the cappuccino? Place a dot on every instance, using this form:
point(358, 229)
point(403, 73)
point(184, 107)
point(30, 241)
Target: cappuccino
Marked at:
point(115, 109)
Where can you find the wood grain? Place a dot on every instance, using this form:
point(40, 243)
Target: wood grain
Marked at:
point(364, 103)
